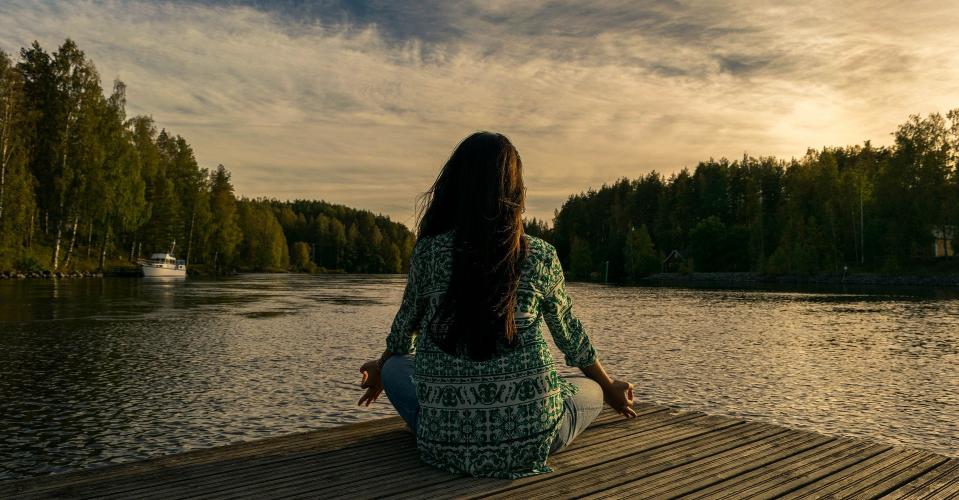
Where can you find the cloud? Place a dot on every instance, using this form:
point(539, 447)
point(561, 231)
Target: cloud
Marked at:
point(361, 103)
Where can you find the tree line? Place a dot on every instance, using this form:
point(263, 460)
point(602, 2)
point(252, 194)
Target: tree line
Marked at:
point(326, 236)
point(83, 186)
point(883, 209)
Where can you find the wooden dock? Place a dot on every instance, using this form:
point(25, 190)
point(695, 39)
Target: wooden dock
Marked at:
point(663, 453)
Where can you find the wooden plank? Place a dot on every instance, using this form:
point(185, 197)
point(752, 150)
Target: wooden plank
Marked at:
point(681, 428)
point(619, 429)
point(309, 472)
point(185, 472)
point(702, 473)
point(939, 483)
point(394, 483)
point(608, 415)
point(327, 468)
point(320, 440)
point(244, 467)
point(639, 462)
point(564, 463)
point(656, 416)
point(863, 475)
point(896, 478)
point(387, 482)
point(786, 475)
point(371, 460)
point(316, 470)
point(588, 453)
point(651, 417)
point(664, 452)
point(269, 451)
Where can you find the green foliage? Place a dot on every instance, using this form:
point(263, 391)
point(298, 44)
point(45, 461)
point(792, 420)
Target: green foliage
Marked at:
point(17, 202)
point(804, 249)
point(82, 185)
point(346, 239)
point(580, 259)
point(872, 208)
point(29, 263)
point(263, 247)
point(537, 228)
point(300, 260)
point(707, 244)
point(715, 247)
point(225, 233)
point(641, 257)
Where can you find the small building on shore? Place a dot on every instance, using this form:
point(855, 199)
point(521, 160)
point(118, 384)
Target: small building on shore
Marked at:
point(673, 262)
point(943, 241)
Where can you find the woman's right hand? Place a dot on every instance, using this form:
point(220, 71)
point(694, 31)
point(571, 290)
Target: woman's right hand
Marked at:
point(371, 382)
point(619, 396)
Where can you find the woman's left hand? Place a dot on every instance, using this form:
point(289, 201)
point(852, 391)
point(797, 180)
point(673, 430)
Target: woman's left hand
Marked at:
point(371, 382)
point(619, 395)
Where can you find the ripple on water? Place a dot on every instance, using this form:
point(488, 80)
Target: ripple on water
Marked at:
point(128, 370)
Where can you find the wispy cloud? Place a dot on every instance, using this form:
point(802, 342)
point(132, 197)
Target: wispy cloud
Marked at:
point(361, 103)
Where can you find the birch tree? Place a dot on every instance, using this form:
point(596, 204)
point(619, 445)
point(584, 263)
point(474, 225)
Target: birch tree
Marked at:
point(16, 186)
point(11, 103)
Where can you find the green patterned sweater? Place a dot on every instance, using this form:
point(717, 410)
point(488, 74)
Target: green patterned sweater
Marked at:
point(494, 418)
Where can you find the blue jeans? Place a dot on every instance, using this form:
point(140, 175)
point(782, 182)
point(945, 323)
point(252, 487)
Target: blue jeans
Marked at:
point(579, 410)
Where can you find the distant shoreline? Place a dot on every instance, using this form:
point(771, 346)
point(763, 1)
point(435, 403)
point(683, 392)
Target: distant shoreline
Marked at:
point(21, 275)
point(944, 280)
point(135, 273)
point(718, 278)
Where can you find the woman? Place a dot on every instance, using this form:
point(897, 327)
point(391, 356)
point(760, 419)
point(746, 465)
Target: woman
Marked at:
point(481, 392)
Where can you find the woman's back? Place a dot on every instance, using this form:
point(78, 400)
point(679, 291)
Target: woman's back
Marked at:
point(497, 417)
point(481, 392)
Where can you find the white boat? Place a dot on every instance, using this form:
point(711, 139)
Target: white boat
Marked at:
point(163, 265)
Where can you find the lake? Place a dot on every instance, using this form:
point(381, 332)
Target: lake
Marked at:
point(102, 371)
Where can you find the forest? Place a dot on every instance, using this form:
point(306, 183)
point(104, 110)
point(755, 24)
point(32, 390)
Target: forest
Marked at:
point(891, 209)
point(83, 186)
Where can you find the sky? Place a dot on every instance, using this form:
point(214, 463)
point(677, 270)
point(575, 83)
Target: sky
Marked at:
point(361, 103)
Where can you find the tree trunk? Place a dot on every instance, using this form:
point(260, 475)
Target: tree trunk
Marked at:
point(855, 235)
point(216, 255)
point(3, 174)
point(73, 241)
point(33, 217)
point(63, 166)
point(56, 246)
point(133, 248)
point(90, 238)
point(103, 250)
point(189, 240)
point(4, 153)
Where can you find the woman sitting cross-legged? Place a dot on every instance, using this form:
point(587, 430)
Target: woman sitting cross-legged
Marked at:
point(481, 392)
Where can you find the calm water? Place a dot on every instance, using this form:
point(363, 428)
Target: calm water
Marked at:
point(94, 372)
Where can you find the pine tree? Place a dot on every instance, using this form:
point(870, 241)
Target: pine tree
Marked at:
point(225, 234)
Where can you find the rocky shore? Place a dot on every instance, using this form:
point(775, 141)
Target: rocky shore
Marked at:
point(13, 275)
point(114, 272)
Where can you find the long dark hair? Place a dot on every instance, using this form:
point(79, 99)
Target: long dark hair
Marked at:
point(480, 195)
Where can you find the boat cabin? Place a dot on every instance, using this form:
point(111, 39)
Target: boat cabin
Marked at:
point(166, 260)
point(162, 258)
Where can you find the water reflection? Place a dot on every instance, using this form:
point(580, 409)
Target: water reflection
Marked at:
point(101, 371)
